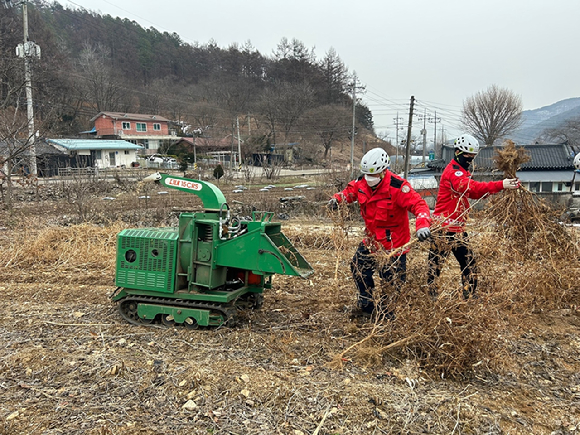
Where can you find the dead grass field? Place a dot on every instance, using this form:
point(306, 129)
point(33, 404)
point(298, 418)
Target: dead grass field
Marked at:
point(508, 363)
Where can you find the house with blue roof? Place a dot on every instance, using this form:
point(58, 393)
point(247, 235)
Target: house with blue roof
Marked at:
point(55, 154)
point(102, 154)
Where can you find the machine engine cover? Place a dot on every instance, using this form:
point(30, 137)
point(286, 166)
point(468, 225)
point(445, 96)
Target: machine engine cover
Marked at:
point(146, 259)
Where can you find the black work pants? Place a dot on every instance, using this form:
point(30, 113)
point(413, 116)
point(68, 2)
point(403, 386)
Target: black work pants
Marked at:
point(458, 244)
point(364, 265)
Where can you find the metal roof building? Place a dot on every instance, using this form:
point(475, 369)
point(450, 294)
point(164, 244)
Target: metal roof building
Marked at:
point(550, 169)
point(542, 157)
point(94, 144)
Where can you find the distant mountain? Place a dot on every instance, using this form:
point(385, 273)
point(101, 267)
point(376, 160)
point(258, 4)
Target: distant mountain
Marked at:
point(537, 120)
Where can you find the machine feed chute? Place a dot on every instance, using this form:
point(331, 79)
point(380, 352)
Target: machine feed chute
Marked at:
point(265, 250)
point(291, 261)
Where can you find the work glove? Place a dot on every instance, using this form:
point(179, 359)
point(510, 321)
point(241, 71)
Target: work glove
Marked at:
point(423, 234)
point(511, 183)
point(332, 204)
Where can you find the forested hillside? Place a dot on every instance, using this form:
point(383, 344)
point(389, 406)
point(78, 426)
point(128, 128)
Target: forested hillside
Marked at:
point(92, 63)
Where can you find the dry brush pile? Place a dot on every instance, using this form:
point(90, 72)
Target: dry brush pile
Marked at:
point(527, 262)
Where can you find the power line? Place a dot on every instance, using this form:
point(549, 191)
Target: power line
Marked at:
point(380, 104)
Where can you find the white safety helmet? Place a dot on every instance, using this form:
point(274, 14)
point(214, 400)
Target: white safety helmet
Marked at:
point(375, 161)
point(467, 144)
point(577, 161)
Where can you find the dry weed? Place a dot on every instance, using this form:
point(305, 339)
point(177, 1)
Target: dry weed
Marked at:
point(526, 259)
point(534, 243)
point(77, 252)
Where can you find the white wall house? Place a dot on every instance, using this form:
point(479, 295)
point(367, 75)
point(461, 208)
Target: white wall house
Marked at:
point(101, 153)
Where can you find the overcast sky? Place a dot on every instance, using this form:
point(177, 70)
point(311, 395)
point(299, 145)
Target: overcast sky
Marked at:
point(441, 51)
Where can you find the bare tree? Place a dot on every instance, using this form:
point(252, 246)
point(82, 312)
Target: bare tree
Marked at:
point(568, 131)
point(491, 114)
point(283, 104)
point(15, 138)
point(328, 123)
point(154, 95)
point(233, 95)
point(98, 82)
point(14, 160)
point(17, 154)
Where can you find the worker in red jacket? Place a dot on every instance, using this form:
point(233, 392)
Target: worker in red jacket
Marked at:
point(455, 189)
point(384, 199)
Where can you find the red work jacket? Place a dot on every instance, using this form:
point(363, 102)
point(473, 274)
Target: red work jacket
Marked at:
point(455, 189)
point(385, 210)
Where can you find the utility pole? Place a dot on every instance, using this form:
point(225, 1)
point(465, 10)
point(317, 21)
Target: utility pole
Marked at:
point(231, 150)
point(397, 120)
point(28, 50)
point(353, 126)
point(239, 145)
point(424, 133)
point(408, 145)
point(434, 119)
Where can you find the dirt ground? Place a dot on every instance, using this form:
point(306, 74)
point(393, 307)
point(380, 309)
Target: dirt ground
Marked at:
point(69, 364)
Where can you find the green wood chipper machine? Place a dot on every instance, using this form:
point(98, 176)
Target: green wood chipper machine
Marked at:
point(202, 272)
